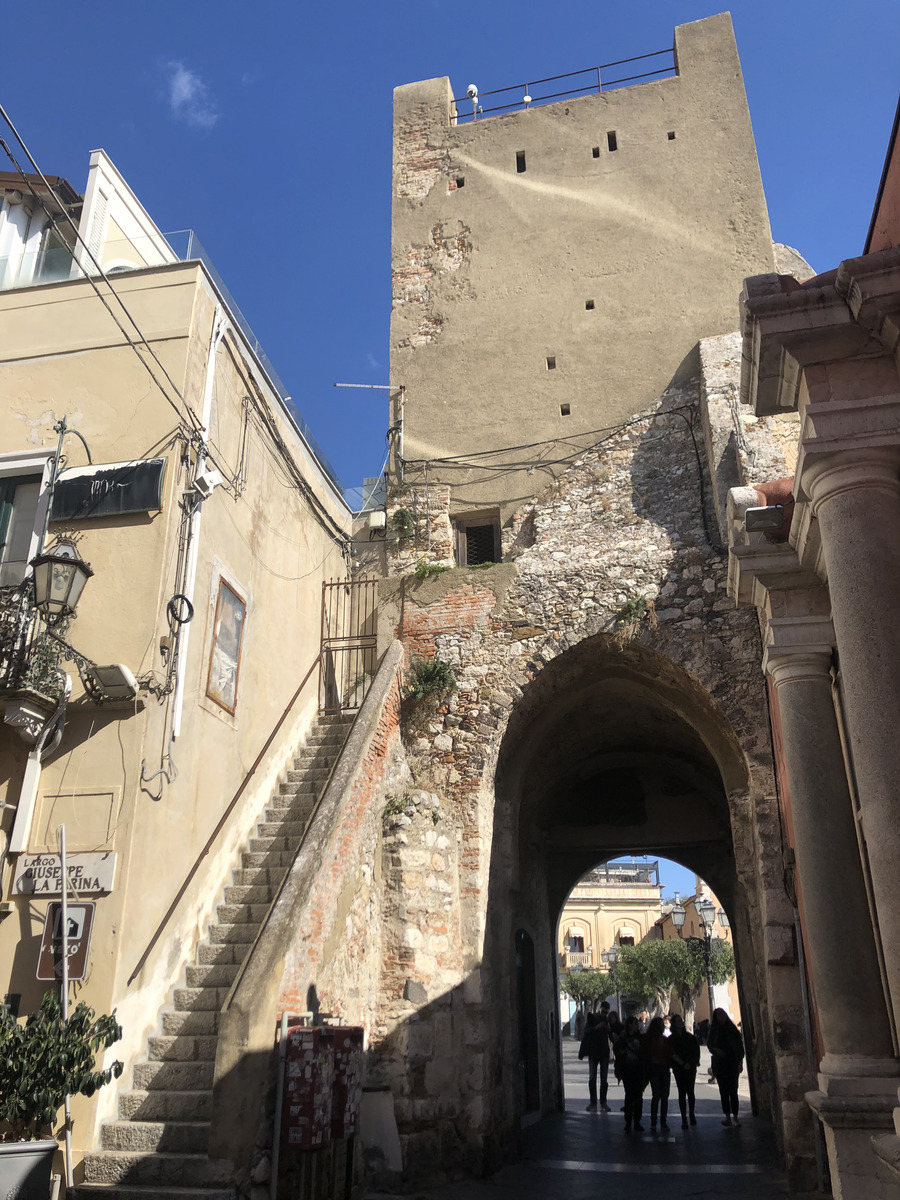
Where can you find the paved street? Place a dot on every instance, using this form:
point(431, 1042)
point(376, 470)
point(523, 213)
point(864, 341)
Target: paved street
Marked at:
point(579, 1155)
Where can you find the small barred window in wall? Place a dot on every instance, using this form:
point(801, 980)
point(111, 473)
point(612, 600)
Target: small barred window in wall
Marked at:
point(480, 544)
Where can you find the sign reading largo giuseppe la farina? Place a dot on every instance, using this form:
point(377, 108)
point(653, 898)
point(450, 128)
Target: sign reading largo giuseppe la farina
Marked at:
point(41, 874)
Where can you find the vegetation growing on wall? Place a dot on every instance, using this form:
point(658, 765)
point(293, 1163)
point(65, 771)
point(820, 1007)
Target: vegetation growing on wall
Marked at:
point(428, 682)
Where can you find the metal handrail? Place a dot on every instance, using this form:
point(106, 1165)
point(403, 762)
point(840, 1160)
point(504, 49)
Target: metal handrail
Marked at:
point(221, 824)
point(598, 86)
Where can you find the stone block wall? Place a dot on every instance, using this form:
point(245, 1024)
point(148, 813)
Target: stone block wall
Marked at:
point(631, 522)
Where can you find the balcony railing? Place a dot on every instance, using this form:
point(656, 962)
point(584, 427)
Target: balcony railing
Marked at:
point(576, 958)
point(27, 662)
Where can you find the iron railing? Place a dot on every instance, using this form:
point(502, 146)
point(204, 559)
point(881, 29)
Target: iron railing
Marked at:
point(594, 82)
point(349, 653)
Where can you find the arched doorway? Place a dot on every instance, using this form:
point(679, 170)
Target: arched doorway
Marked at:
point(616, 749)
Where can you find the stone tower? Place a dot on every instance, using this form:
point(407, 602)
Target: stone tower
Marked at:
point(554, 268)
point(566, 291)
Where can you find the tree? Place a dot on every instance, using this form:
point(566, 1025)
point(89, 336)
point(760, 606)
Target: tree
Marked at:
point(688, 966)
point(587, 987)
point(650, 970)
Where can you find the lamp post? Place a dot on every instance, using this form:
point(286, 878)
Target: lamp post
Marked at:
point(706, 910)
point(610, 958)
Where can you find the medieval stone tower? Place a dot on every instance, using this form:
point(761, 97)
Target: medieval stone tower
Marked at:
point(565, 365)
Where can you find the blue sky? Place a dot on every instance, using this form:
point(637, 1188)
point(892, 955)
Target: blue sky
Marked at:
point(266, 127)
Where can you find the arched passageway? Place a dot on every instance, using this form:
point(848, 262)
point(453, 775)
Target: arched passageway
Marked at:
point(613, 749)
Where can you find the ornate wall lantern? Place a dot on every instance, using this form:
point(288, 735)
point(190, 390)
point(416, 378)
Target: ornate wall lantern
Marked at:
point(59, 579)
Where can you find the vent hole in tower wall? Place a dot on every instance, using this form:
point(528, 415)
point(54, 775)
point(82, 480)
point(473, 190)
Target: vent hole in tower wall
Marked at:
point(551, 363)
point(611, 142)
point(589, 305)
point(520, 161)
point(596, 152)
point(671, 135)
point(564, 410)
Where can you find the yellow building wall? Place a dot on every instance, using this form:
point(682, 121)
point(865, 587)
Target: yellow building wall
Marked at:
point(62, 355)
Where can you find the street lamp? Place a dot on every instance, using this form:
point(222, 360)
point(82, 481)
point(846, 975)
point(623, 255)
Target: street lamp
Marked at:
point(610, 958)
point(707, 911)
point(59, 578)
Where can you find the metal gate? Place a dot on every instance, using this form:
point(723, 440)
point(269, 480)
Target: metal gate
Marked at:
point(348, 657)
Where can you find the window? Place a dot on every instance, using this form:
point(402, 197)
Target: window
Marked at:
point(576, 944)
point(477, 540)
point(19, 496)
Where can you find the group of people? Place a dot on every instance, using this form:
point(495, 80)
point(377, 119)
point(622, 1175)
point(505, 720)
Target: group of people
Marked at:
point(646, 1052)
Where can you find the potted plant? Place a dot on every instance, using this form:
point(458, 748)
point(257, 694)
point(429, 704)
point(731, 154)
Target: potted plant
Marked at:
point(41, 1062)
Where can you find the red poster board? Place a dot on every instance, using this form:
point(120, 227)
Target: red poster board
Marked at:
point(348, 1079)
point(308, 1085)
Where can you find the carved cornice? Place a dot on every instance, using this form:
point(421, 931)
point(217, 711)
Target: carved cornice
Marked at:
point(853, 312)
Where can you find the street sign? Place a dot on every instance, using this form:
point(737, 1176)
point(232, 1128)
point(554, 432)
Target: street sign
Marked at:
point(41, 874)
point(80, 921)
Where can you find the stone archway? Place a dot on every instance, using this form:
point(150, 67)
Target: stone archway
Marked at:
point(616, 749)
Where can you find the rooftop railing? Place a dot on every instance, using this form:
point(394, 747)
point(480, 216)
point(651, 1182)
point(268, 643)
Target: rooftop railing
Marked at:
point(592, 80)
point(136, 254)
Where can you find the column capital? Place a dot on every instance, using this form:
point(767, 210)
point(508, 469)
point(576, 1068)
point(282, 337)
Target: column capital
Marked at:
point(829, 471)
point(799, 649)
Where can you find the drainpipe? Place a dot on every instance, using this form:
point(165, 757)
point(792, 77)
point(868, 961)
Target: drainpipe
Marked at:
point(220, 326)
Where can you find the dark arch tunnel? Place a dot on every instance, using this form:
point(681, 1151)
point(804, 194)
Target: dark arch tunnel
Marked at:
point(612, 750)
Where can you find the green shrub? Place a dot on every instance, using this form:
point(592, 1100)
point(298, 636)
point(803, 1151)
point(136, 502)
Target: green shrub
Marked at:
point(425, 569)
point(47, 1059)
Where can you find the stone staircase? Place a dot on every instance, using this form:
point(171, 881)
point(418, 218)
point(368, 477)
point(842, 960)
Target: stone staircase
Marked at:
point(158, 1146)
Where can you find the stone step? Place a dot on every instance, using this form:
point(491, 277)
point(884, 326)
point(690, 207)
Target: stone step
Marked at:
point(204, 1024)
point(241, 914)
point(271, 859)
point(199, 999)
point(274, 845)
point(123, 1166)
point(165, 1106)
point(257, 877)
point(126, 1191)
point(181, 1048)
point(243, 934)
point(306, 787)
point(151, 1137)
point(286, 823)
point(249, 893)
point(174, 1076)
point(311, 774)
point(211, 954)
point(220, 976)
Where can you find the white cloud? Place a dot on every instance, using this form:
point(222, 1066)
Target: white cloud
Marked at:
point(189, 97)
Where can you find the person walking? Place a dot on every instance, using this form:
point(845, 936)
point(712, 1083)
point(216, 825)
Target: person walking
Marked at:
point(685, 1061)
point(630, 1068)
point(658, 1052)
point(727, 1049)
point(595, 1048)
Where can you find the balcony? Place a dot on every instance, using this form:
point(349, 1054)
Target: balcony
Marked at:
point(571, 960)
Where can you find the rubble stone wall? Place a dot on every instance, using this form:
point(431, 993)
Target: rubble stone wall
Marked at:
point(633, 519)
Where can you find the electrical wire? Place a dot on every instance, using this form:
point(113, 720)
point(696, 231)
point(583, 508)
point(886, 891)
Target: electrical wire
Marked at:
point(191, 417)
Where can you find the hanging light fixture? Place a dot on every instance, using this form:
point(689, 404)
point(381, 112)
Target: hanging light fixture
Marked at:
point(59, 578)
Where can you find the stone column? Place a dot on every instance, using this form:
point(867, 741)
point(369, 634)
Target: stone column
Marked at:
point(858, 1073)
point(856, 497)
point(841, 948)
